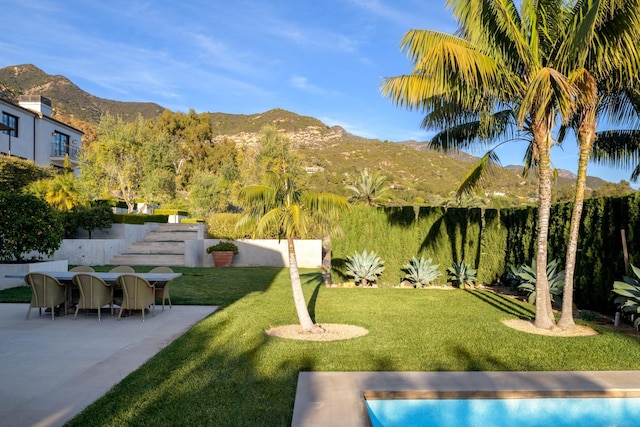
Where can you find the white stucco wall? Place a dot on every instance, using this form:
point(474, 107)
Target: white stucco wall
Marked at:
point(272, 253)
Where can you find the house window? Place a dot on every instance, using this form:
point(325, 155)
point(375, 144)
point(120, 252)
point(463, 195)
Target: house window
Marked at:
point(11, 121)
point(60, 144)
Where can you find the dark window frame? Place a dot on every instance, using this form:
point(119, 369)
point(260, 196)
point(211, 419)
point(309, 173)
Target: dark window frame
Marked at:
point(61, 143)
point(12, 121)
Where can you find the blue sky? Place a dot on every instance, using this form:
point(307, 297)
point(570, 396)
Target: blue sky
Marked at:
point(324, 59)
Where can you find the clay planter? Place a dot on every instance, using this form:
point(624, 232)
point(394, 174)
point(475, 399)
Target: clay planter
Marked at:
point(222, 258)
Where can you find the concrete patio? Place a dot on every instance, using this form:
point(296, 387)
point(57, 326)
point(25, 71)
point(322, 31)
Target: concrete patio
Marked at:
point(52, 370)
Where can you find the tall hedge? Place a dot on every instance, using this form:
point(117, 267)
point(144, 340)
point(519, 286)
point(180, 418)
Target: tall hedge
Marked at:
point(490, 240)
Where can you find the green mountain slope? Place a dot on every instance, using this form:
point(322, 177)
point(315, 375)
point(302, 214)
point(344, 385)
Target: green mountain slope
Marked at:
point(67, 98)
point(332, 156)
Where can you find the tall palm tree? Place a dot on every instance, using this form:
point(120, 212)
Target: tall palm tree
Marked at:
point(599, 53)
point(495, 63)
point(278, 208)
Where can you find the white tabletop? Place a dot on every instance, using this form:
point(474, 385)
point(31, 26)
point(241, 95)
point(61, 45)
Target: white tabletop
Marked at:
point(110, 277)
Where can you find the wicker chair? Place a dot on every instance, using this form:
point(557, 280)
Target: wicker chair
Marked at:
point(122, 269)
point(138, 294)
point(95, 293)
point(83, 269)
point(47, 292)
point(162, 288)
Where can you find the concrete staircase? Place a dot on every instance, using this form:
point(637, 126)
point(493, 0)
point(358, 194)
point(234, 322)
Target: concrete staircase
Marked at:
point(165, 246)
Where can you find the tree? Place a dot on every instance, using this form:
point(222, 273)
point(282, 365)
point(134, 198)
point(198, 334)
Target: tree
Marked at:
point(278, 208)
point(27, 224)
point(600, 55)
point(61, 191)
point(492, 76)
point(369, 189)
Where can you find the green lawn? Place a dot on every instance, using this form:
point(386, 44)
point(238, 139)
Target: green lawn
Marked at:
point(226, 371)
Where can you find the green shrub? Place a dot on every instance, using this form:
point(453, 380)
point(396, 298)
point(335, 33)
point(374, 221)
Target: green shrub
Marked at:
point(139, 218)
point(27, 224)
point(224, 246)
point(461, 275)
point(170, 212)
point(365, 268)
point(421, 272)
point(223, 226)
point(629, 295)
point(556, 281)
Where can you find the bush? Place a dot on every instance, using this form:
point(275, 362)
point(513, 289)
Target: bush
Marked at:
point(27, 224)
point(223, 247)
point(170, 212)
point(139, 218)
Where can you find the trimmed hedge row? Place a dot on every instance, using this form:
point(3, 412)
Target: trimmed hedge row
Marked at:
point(139, 218)
point(491, 240)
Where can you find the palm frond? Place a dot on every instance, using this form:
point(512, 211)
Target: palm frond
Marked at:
point(617, 148)
point(478, 173)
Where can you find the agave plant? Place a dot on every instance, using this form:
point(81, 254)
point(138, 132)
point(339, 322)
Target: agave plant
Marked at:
point(365, 267)
point(555, 277)
point(629, 299)
point(462, 274)
point(421, 272)
point(511, 277)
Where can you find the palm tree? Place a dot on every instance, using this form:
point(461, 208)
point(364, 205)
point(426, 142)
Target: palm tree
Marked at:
point(278, 208)
point(369, 189)
point(495, 68)
point(599, 53)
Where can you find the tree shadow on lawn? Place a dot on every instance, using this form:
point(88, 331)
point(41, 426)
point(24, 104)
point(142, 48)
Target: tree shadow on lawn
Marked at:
point(503, 303)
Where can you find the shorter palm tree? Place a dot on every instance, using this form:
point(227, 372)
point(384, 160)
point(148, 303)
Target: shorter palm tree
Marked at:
point(277, 208)
point(369, 189)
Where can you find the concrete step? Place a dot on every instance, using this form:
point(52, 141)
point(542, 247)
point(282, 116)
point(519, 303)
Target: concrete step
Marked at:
point(171, 236)
point(157, 247)
point(155, 260)
point(177, 227)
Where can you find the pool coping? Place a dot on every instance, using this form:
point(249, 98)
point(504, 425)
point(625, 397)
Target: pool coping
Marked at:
point(337, 398)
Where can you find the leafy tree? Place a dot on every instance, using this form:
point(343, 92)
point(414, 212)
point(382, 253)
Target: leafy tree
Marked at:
point(27, 224)
point(207, 194)
point(97, 216)
point(370, 188)
point(278, 208)
point(129, 161)
point(610, 189)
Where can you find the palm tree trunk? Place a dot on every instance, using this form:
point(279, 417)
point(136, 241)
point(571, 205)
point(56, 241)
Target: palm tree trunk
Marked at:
point(298, 296)
point(544, 313)
point(566, 318)
point(326, 260)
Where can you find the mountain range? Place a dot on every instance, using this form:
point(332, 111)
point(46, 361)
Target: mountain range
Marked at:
point(333, 156)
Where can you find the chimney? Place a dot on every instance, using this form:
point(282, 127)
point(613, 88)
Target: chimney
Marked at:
point(36, 103)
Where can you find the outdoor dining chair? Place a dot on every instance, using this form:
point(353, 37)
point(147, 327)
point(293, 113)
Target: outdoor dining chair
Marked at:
point(95, 293)
point(46, 292)
point(162, 288)
point(122, 269)
point(138, 294)
point(83, 269)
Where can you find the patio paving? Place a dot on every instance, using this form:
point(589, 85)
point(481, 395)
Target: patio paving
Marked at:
point(52, 370)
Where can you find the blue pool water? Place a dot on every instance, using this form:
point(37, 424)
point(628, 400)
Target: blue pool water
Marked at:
point(557, 412)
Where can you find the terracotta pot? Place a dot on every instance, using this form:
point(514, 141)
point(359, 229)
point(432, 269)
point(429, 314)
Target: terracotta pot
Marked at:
point(222, 258)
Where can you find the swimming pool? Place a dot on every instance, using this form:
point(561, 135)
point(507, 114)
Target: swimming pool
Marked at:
point(497, 412)
point(340, 399)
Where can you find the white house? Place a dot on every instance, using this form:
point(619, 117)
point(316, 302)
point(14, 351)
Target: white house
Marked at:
point(34, 135)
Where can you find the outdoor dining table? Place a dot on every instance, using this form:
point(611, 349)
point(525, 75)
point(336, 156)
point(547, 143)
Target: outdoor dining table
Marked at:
point(111, 278)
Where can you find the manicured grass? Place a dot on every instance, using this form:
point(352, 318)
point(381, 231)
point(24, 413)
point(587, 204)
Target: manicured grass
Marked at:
point(226, 371)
